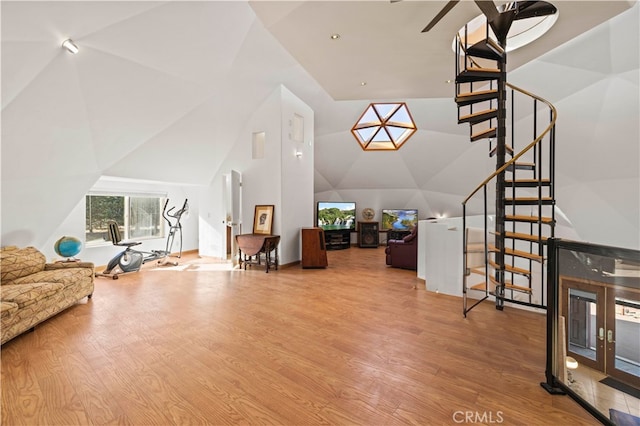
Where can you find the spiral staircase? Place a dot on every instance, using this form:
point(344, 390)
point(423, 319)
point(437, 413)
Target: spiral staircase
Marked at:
point(508, 263)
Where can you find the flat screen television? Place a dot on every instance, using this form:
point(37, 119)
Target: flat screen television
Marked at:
point(336, 215)
point(399, 219)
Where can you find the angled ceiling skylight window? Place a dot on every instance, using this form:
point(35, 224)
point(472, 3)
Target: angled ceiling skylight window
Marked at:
point(384, 127)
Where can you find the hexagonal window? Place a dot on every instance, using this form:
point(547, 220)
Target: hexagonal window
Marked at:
point(384, 127)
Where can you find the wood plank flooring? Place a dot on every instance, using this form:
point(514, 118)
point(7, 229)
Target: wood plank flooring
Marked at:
point(357, 343)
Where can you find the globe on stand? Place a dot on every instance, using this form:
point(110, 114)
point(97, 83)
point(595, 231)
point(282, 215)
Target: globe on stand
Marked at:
point(68, 247)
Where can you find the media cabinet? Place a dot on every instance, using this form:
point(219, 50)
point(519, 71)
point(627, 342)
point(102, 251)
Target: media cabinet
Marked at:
point(368, 236)
point(337, 239)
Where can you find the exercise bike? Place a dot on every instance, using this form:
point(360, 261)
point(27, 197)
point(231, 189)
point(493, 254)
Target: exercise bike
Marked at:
point(130, 260)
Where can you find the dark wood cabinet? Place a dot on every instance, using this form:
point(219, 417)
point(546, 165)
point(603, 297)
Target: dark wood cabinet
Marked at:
point(368, 234)
point(314, 248)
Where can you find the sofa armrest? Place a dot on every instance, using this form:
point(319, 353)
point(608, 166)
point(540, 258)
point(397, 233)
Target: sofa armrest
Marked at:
point(65, 265)
point(402, 254)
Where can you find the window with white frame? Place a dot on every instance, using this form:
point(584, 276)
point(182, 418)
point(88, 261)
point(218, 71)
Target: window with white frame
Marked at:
point(139, 217)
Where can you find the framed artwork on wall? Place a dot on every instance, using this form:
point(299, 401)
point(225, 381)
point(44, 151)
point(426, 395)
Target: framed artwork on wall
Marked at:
point(263, 220)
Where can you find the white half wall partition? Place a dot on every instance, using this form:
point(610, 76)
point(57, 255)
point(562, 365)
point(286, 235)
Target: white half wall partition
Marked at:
point(440, 252)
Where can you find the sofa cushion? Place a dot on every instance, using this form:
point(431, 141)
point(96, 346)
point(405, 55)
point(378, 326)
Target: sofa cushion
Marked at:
point(19, 263)
point(64, 276)
point(26, 294)
point(7, 308)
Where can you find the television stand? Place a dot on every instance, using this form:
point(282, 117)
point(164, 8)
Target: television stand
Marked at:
point(337, 239)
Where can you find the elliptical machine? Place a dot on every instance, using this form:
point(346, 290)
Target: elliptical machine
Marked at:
point(130, 260)
point(175, 227)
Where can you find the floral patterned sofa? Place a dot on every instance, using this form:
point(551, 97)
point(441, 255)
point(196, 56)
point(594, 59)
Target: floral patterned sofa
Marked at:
point(32, 290)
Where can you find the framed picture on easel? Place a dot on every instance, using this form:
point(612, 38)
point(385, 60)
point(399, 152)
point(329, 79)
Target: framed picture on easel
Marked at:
point(263, 220)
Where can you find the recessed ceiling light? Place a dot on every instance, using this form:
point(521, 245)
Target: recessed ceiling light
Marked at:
point(363, 83)
point(448, 81)
point(334, 36)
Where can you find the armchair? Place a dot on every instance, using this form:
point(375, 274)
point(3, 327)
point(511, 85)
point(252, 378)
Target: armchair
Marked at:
point(404, 253)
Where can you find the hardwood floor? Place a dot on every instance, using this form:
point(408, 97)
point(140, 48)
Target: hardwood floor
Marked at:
point(353, 344)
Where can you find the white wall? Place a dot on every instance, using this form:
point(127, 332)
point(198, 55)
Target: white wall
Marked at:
point(211, 221)
point(280, 178)
point(74, 223)
point(260, 179)
point(598, 137)
point(297, 208)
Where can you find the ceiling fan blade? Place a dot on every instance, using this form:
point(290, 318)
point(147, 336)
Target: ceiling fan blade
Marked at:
point(488, 8)
point(529, 9)
point(440, 15)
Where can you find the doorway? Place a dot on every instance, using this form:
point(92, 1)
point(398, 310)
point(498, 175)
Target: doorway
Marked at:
point(232, 200)
point(603, 327)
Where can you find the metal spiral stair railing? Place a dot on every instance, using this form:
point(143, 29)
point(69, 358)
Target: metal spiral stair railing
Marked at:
point(512, 268)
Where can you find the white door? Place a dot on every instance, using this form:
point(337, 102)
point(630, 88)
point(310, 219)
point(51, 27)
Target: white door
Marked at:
point(232, 198)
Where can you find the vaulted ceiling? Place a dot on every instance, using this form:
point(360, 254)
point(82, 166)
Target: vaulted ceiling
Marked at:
point(381, 42)
point(161, 90)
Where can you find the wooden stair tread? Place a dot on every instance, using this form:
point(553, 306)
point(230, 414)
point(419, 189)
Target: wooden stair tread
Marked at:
point(477, 74)
point(528, 201)
point(480, 286)
point(479, 270)
point(478, 92)
point(526, 237)
point(518, 253)
point(534, 219)
point(522, 165)
point(510, 268)
point(528, 198)
point(487, 49)
point(469, 98)
point(487, 133)
point(517, 288)
point(507, 148)
point(476, 114)
point(532, 182)
point(479, 116)
point(493, 44)
point(487, 70)
point(510, 286)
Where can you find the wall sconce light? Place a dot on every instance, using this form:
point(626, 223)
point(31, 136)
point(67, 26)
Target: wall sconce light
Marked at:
point(299, 154)
point(70, 46)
